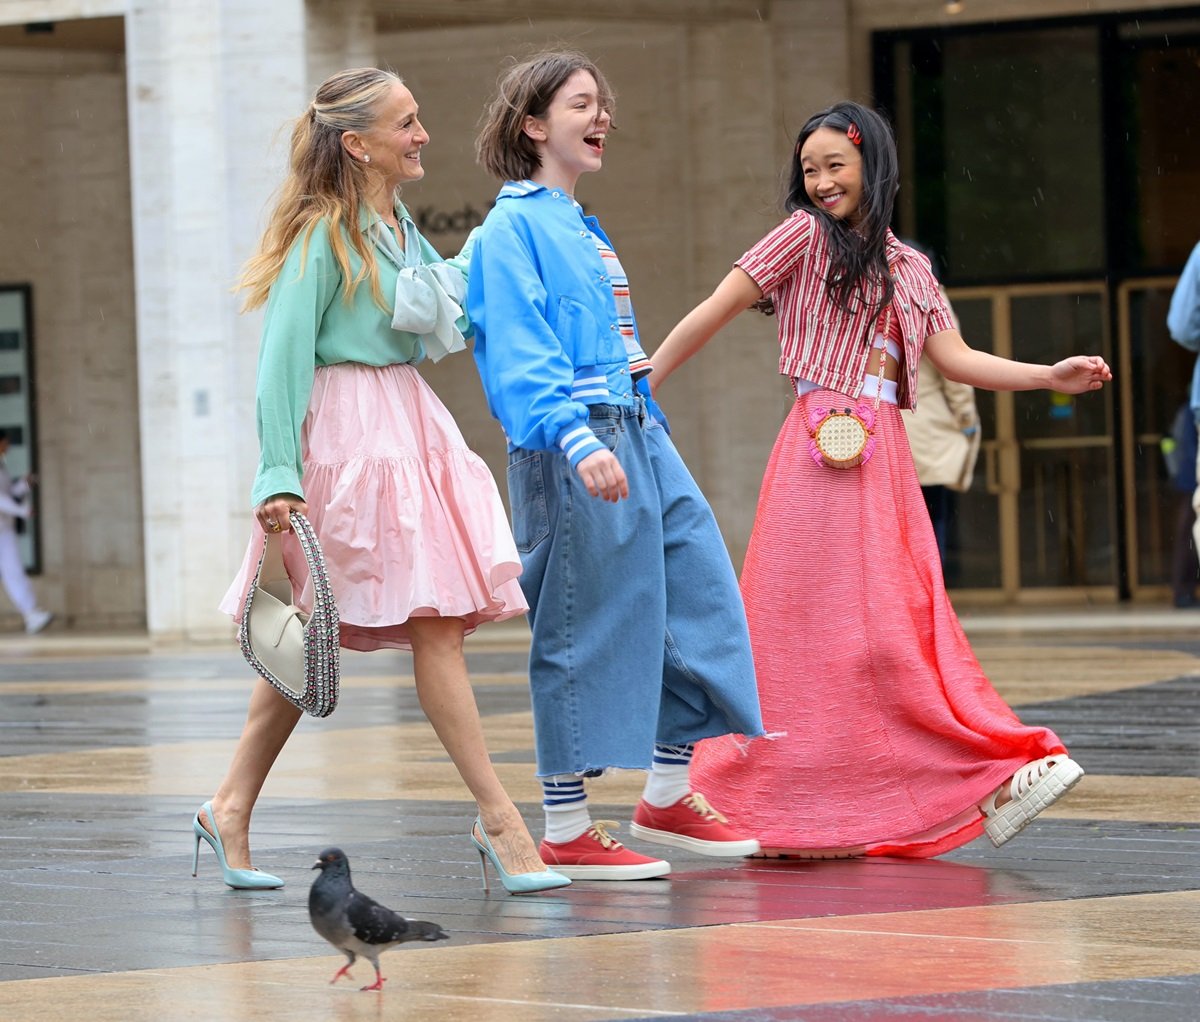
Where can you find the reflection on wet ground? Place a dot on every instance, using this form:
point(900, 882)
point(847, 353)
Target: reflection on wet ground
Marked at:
point(107, 748)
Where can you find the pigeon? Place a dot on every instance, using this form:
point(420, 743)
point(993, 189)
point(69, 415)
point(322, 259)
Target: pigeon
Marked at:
point(353, 923)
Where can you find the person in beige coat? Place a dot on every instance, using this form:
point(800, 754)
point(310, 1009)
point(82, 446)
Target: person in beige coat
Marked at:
point(944, 434)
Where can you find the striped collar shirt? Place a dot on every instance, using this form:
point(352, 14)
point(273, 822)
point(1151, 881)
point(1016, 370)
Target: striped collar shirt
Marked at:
point(820, 341)
point(639, 361)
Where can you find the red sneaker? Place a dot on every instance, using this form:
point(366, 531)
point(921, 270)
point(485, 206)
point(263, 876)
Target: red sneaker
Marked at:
point(693, 824)
point(597, 855)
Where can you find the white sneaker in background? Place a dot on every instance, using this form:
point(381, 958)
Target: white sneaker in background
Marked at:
point(37, 621)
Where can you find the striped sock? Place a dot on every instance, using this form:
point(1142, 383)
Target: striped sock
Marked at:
point(668, 780)
point(566, 808)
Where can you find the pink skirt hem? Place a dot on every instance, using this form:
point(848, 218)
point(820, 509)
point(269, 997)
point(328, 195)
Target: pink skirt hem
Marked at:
point(409, 518)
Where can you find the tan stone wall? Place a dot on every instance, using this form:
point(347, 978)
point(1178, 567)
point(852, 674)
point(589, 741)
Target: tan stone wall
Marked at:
point(65, 216)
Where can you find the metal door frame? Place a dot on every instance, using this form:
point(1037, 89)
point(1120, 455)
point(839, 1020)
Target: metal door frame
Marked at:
point(1002, 453)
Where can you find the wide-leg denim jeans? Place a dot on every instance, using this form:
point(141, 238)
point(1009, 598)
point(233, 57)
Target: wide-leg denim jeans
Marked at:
point(639, 635)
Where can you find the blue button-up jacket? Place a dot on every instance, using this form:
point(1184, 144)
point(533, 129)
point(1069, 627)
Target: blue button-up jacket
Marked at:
point(547, 341)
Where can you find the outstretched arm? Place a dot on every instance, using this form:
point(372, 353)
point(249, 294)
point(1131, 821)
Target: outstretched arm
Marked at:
point(735, 293)
point(956, 360)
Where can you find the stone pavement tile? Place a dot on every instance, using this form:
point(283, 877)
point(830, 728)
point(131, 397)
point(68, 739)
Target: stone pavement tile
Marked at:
point(1044, 671)
point(698, 971)
point(104, 759)
point(1144, 798)
point(119, 869)
point(1165, 999)
point(1152, 729)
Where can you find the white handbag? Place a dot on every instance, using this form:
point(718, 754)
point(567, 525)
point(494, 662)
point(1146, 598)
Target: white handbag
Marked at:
point(298, 653)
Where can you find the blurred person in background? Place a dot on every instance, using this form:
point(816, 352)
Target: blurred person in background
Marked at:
point(16, 502)
point(944, 435)
point(1183, 322)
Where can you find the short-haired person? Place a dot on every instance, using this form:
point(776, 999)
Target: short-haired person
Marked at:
point(16, 502)
point(639, 645)
point(1183, 323)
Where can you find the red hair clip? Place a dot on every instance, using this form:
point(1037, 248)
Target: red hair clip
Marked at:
point(854, 134)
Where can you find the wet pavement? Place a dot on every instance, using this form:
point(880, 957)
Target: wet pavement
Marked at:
point(109, 744)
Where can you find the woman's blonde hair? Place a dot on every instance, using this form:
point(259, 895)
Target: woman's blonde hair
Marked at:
point(525, 90)
point(324, 183)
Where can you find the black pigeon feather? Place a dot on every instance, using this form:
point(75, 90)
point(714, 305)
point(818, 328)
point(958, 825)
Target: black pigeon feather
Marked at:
point(355, 924)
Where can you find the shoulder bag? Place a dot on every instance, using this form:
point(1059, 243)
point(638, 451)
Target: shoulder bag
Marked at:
point(298, 653)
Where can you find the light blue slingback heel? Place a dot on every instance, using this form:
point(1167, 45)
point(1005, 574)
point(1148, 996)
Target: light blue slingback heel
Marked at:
point(238, 879)
point(514, 883)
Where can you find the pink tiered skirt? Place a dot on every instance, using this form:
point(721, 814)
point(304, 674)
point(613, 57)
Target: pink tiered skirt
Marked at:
point(887, 734)
point(409, 518)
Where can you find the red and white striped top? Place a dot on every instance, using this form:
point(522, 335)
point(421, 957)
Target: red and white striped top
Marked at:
point(820, 341)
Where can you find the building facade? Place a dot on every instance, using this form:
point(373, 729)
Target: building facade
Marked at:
point(1050, 160)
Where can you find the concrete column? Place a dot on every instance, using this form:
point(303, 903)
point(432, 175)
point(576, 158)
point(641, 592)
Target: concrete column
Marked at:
point(209, 86)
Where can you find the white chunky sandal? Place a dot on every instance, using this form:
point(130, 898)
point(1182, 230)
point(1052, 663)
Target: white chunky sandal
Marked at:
point(1036, 786)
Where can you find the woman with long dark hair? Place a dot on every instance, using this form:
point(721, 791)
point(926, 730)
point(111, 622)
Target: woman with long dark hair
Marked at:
point(888, 737)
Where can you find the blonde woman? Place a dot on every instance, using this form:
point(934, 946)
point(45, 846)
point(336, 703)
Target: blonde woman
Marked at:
point(415, 537)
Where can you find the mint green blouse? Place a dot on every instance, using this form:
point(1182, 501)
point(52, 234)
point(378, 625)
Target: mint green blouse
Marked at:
point(308, 324)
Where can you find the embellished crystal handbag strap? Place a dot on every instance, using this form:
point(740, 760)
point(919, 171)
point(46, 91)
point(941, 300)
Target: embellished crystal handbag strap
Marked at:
point(307, 537)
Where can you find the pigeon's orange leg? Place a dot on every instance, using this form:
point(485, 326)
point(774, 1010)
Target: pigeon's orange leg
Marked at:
point(378, 984)
point(343, 971)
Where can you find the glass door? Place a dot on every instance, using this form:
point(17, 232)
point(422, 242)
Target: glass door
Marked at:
point(1039, 523)
point(1051, 166)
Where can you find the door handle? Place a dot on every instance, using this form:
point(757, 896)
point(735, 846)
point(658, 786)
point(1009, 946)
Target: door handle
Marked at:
point(1002, 467)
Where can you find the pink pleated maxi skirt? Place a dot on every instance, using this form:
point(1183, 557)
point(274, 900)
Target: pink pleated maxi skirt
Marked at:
point(409, 518)
point(887, 734)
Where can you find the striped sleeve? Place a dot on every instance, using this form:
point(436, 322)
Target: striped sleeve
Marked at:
point(915, 273)
point(941, 317)
point(577, 441)
point(776, 256)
